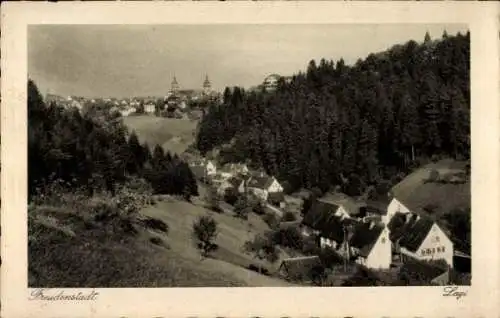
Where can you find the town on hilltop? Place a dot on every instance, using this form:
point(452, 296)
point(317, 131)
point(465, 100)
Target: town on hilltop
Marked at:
point(343, 174)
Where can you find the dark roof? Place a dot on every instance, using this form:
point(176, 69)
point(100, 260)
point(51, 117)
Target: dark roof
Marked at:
point(376, 207)
point(321, 217)
point(260, 182)
point(276, 196)
point(235, 181)
point(365, 236)
point(340, 199)
point(296, 268)
point(409, 234)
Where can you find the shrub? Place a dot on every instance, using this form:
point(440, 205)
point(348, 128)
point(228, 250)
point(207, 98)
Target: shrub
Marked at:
point(155, 224)
point(262, 247)
point(241, 208)
point(271, 220)
point(231, 196)
point(258, 207)
point(289, 217)
point(289, 237)
point(205, 232)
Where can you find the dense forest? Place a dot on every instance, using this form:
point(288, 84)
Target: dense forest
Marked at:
point(94, 151)
point(364, 122)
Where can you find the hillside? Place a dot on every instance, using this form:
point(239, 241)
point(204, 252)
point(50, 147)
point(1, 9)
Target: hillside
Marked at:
point(364, 123)
point(441, 197)
point(112, 253)
point(174, 135)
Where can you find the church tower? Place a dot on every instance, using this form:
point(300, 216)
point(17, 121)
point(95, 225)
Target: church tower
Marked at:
point(174, 86)
point(207, 86)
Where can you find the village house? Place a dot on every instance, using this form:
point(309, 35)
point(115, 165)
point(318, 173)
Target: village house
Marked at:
point(419, 237)
point(346, 206)
point(394, 207)
point(149, 108)
point(367, 243)
point(203, 168)
point(232, 169)
point(262, 185)
point(235, 182)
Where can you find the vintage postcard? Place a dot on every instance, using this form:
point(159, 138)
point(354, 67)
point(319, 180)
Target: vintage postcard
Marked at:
point(166, 159)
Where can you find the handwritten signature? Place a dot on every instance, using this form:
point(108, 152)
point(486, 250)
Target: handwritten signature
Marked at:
point(58, 295)
point(453, 291)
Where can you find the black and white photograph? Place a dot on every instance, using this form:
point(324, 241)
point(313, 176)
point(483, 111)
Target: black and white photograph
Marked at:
point(167, 159)
point(268, 155)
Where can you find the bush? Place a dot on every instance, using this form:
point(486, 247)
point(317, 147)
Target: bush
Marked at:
point(289, 237)
point(258, 207)
point(205, 232)
point(241, 208)
point(289, 217)
point(263, 247)
point(155, 224)
point(231, 196)
point(271, 220)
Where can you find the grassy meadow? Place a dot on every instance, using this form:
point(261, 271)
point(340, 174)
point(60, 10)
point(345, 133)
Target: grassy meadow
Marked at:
point(174, 135)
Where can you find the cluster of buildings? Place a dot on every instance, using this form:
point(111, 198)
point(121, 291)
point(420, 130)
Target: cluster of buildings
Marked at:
point(174, 104)
point(271, 81)
point(383, 234)
point(380, 234)
point(238, 177)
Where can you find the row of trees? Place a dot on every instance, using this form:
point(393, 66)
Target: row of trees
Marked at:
point(94, 151)
point(363, 122)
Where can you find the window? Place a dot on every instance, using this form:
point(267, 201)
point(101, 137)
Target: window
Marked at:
point(437, 239)
point(442, 249)
point(433, 250)
point(439, 249)
point(383, 240)
point(423, 252)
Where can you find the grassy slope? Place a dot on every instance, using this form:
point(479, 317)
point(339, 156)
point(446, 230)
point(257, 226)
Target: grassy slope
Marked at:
point(174, 135)
point(65, 252)
point(233, 232)
point(446, 196)
point(70, 250)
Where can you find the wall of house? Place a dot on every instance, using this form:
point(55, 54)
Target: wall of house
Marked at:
point(394, 207)
point(327, 243)
point(381, 254)
point(341, 212)
point(434, 243)
point(262, 194)
point(211, 169)
point(275, 187)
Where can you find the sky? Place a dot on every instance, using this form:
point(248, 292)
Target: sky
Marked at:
point(141, 60)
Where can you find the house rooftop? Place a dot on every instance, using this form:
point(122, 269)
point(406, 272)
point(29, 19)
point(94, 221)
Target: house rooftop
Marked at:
point(409, 233)
point(298, 267)
point(351, 205)
point(260, 182)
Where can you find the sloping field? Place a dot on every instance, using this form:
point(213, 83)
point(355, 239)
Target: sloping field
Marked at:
point(414, 192)
point(67, 251)
point(233, 233)
point(174, 135)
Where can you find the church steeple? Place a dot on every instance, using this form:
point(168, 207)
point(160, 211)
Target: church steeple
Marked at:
point(207, 86)
point(174, 85)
